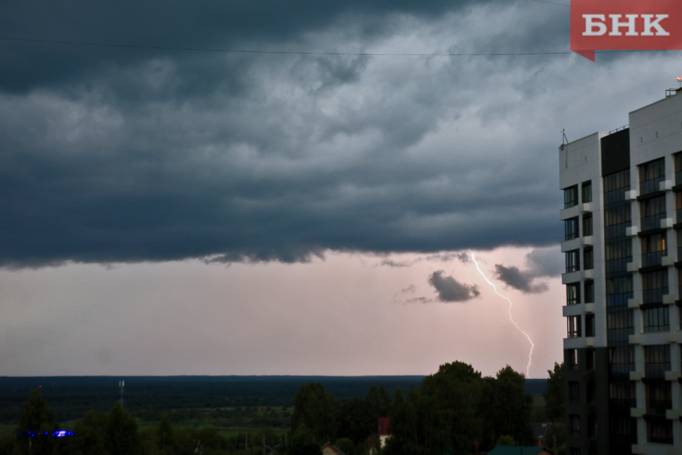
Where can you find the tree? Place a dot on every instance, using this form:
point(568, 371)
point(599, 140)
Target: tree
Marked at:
point(165, 436)
point(555, 405)
point(555, 401)
point(35, 426)
point(122, 436)
point(90, 435)
point(506, 408)
point(314, 409)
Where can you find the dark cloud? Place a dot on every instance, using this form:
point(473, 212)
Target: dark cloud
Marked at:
point(541, 263)
point(451, 290)
point(545, 262)
point(520, 280)
point(125, 154)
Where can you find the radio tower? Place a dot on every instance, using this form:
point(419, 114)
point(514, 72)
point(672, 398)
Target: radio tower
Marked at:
point(121, 389)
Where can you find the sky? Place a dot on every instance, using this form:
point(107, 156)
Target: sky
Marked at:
point(171, 208)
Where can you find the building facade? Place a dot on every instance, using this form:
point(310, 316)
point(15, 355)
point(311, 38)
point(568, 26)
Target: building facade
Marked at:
point(622, 219)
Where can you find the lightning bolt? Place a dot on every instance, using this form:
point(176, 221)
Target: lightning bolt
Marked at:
point(510, 316)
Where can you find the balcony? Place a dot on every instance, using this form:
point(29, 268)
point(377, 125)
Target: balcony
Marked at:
point(678, 214)
point(654, 295)
point(650, 186)
point(618, 299)
point(617, 265)
point(614, 196)
point(678, 177)
point(656, 370)
point(653, 258)
point(658, 407)
point(652, 222)
point(616, 230)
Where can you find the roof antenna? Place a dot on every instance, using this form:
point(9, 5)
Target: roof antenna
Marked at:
point(562, 147)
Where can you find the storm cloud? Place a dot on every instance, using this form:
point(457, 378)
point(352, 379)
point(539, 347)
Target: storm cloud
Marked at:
point(451, 290)
point(541, 263)
point(156, 150)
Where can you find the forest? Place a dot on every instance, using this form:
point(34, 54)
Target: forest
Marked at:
point(455, 410)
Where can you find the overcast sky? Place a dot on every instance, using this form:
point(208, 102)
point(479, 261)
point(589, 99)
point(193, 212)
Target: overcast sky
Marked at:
point(186, 211)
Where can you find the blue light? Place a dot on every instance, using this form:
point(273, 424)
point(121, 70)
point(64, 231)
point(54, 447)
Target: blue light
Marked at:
point(57, 434)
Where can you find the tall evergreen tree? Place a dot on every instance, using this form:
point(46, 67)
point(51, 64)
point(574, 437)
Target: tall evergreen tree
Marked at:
point(35, 426)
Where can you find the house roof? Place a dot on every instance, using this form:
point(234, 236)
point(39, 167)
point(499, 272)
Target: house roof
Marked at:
point(518, 450)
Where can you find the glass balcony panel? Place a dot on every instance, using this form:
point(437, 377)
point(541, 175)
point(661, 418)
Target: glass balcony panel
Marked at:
point(652, 258)
point(650, 186)
point(654, 295)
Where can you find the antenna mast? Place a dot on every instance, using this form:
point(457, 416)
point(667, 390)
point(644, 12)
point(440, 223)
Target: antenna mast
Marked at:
point(121, 390)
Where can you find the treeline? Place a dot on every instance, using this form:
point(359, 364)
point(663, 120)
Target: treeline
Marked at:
point(456, 410)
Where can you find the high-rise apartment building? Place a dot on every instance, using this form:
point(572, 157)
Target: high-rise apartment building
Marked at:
point(622, 218)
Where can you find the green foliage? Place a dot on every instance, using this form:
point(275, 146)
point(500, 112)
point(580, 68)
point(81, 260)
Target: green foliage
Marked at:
point(38, 420)
point(555, 395)
point(506, 408)
point(346, 445)
point(555, 405)
point(314, 409)
point(90, 438)
point(458, 411)
point(122, 436)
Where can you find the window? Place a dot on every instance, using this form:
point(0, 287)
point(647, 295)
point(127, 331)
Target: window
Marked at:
point(658, 397)
point(589, 359)
point(589, 325)
point(659, 431)
point(574, 391)
point(650, 175)
point(571, 229)
point(589, 291)
point(617, 255)
point(615, 186)
point(654, 247)
point(622, 359)
point(570, 196)
point(618, 291)
point(587, 191)
point(654, 286)
point(619, 325)
point(588, 258)
point(574, 423)
point(572, 261)
point(656, 319)
point(587, 224)
point(571, 358)
point(616, 220)
point(622, 394)
point(678, 168)
point(656, 360)
point(572, 294)
point(573, 329)
point(653, 211)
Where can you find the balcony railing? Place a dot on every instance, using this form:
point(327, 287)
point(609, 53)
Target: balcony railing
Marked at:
point(617, 265)
point(650, 186)
point(621, 369)
point(656, 370)
point(618, 300)
point(652, 258)
point(658, 407)
point(652, 222)
point(615, 230)
point(615, 195)
point(654, 295)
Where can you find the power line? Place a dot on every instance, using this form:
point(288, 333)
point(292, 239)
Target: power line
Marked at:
point(314, 53)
